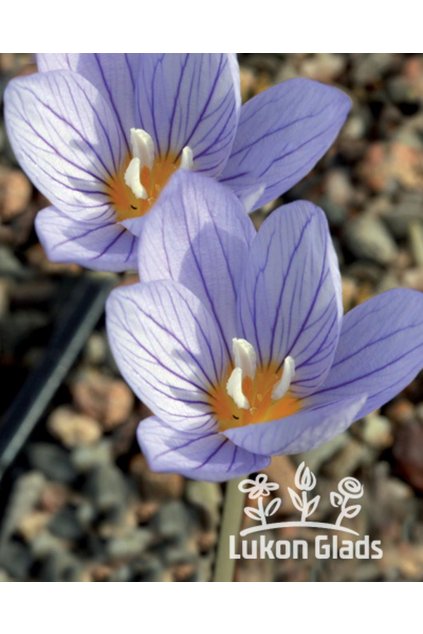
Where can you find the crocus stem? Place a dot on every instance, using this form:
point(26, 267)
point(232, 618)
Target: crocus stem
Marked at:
point(231, 524)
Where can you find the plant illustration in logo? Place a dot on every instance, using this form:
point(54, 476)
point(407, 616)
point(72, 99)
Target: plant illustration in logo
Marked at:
point(348, 489)
point(305, 481)
point(258, 489)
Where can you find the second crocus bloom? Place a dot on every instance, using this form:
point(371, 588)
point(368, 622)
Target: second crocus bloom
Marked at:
point(237, 342)
point(100, 135)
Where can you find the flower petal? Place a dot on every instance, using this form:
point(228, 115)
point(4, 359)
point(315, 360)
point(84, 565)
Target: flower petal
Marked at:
point(313, 426)
point(113, 74)
point(209, 456)
point(66, 138)
point(105, 246)
point(190, 100)
point(199, 235)
point(168, 349)
point(380, 349)
point(290, 298)
point(282, 133)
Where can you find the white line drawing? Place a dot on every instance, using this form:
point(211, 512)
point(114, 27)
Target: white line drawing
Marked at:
point(349, 488)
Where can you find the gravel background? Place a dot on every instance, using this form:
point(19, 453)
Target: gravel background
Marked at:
point(79, 502)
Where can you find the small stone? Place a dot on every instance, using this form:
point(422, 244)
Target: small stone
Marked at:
point(173, 521)
point(349, 293)
point(54, 496)
point(44, 544)
point(85, 459)
point(367, 237)
point(24, 498)
point(15, 193)
point(4, 297)
point(208, 497)
point(61, 566)
point(155, 485)
point(319, 456)
point(73, 429)
point(408, 453)
point(52, 461)
point(131, 545)
point(376, 431)
point(96, 349)
point(401, 411)
point(108, 400)
point(107, 488)
point(353, 455)
point(65, 524)
point(16, 559)
point(32, 524)
point(325, 67)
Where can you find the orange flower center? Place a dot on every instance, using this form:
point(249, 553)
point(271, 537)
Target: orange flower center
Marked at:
point(262, 405)
point(153, 179)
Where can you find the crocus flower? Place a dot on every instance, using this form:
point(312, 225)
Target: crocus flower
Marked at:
point(236, 340)
point(101, 134)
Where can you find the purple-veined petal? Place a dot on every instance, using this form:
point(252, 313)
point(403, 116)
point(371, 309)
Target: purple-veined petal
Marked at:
point(190, 100)
point(168, 349)
point(316, 424)
point(199, 235)
point(113, 74)
point(67, 140)
point(380, 349)
point(105, 246)
point(290, 298)
point(210, 456)
point(281, 135)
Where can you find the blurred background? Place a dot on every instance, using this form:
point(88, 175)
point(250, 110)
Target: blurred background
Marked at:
point(77, 500)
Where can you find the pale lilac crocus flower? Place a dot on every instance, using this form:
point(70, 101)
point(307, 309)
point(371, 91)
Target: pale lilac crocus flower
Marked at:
point(101, 134)
point(237, 341)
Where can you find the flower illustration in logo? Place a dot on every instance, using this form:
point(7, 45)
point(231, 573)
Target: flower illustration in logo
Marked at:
point(305, 480)
point(350, 487)
point(258, 487)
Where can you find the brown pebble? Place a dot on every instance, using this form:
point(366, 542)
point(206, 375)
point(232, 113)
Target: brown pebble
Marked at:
point(400, 411)
point(15, 193)
point(73, 429)
point(408, 453)
point(155, 485)
point(108, 400)
point(183, 572)
point(32, 524)
point(54, 496)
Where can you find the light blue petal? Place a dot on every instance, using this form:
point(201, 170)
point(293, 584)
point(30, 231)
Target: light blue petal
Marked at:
point(380, 349)
point(282, 133)
point(67, 140)
point(104, 246)
point(290, 297)
point(315, 425)
point(199, 235)
point(113, 74)
point(190, 100)
point(209, 456)
point(168, 349)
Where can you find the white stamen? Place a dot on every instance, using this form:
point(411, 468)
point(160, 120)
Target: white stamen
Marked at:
point(234, 389)
point(142, 147)
point(187, 159)
point(244, 357)
point(288, 371)
point(133, 180)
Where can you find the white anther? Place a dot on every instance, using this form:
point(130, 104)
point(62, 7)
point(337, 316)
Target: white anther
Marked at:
point(133, 179)
point(142, 147)
point(234, 389)
point(187, 159)
point(288, 371)
point(244, 357)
